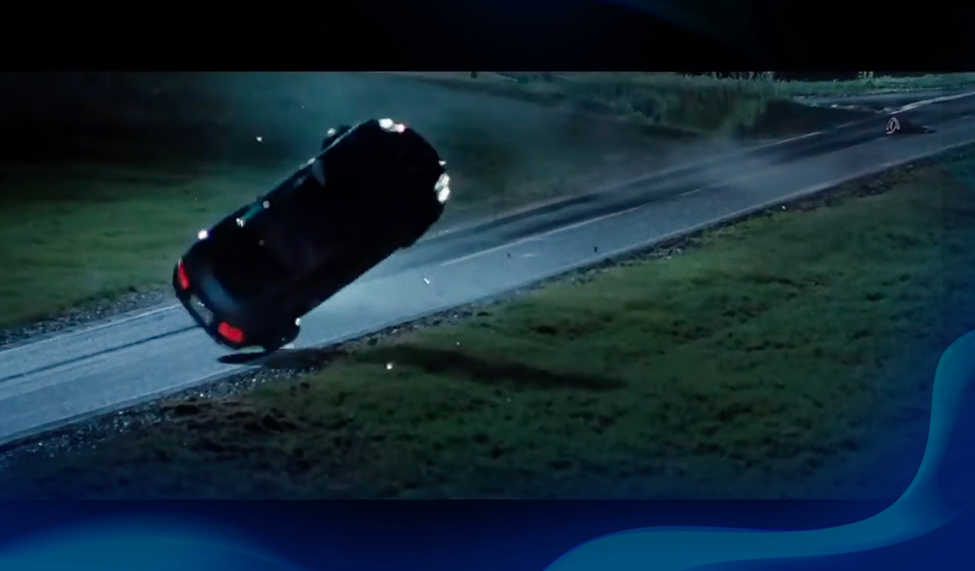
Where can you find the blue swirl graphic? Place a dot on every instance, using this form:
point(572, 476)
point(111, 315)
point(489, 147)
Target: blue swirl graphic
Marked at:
point(941, 491)
point(143, 544)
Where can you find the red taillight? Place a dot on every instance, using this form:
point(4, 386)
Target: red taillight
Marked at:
point(184, 280)
point(232, 334)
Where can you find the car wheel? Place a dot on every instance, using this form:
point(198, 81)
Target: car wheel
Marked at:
point(893, 126)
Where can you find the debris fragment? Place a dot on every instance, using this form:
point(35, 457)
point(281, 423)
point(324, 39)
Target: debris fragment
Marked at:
point(426, 281)
point(389, 366)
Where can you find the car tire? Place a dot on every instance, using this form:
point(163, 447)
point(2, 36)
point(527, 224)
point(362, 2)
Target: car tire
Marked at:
point(893, 126)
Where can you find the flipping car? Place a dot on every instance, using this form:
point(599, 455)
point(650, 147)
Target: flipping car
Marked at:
point(374, 188)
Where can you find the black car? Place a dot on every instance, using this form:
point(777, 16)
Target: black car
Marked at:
point(373, 189)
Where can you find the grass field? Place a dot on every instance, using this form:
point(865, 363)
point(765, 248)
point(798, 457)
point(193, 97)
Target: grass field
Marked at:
point(95, 216)
point(757, 106)
point(88, 232)
point(107, 177)
point(787, 356)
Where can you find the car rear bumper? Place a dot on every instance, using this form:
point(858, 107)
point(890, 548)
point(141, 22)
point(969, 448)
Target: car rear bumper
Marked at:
point(202, 314)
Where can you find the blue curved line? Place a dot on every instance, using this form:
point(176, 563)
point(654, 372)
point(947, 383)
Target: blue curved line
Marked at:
point(141, 543)
point(921, 509)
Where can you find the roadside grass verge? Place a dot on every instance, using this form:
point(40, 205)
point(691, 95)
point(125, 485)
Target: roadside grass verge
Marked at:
point(877, 84)
point(105, 198)
point(169, 138)
point(786, 356)
point(754, 107)
point(90, 232)
point(86, 232)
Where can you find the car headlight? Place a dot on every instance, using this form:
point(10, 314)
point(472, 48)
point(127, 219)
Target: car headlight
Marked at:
point(392, 126)
point(443, 188)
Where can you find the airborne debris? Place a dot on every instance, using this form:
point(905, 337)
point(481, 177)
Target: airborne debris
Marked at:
point(259, 138)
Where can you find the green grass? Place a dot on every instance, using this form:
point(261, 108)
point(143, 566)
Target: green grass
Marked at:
point(165, 159)
point(700, 104)
point(868, 83)
point(787, 356)
point(115, 221)
point(877, 84)
point(673, 103)
point(90, 232)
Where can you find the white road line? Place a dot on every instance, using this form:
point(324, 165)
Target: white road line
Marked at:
point(790, 139)
point(923, 102)
point(83, 330)
point(488, 251)
point(617, 184)
point(709, 159)
point(535, 237)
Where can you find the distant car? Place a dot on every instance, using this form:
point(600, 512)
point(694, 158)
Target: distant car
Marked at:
point(903, 126)
point(374, 188)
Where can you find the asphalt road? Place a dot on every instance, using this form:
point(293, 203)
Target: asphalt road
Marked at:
point(54, 381)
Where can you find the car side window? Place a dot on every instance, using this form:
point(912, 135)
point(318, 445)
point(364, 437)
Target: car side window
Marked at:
point(298, 221)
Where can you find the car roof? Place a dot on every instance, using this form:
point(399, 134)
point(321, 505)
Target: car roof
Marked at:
point(316, 166)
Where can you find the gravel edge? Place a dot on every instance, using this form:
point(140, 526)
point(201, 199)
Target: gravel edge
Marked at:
point(291, 365)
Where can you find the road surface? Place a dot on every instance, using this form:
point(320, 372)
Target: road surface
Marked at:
point(54, 381)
